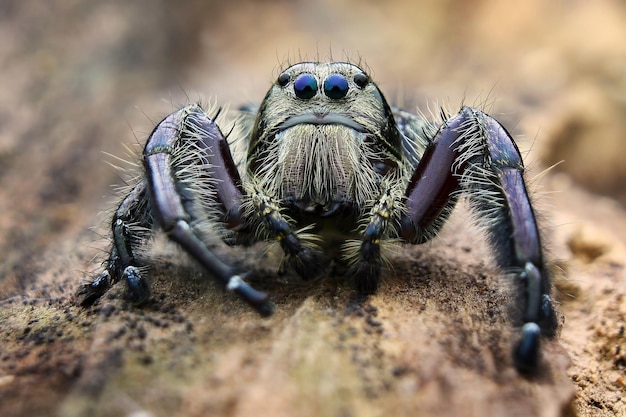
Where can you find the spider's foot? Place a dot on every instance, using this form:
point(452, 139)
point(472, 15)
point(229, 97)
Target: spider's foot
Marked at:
point(366, 271)
point(88, 294)
point(526, 353)
point(309, 264)
point(256, 299)
point(367, 275)
point(367, 278)
point(265, 308)
point(138, 290)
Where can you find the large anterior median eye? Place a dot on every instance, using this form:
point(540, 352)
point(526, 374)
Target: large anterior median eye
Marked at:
point(336, 86)
point(305, 86)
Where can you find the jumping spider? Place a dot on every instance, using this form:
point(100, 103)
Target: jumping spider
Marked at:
point(332, 171)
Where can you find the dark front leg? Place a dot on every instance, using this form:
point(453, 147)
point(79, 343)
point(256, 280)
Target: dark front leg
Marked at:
point(474, 154)
point(174, 212)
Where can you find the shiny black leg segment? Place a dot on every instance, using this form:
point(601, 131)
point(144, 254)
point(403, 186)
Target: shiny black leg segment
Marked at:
point(513, 230)
point(473, 153)
point(170, 208)
point(132, 213)
point(182, 234)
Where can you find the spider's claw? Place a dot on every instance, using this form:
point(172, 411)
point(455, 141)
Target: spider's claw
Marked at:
point(526, 353)
point(138, 289)
point(88, 294)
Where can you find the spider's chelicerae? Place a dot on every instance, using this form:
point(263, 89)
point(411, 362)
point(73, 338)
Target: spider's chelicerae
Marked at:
point(332, 172)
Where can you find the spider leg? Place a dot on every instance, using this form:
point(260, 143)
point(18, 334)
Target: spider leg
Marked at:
point(171, 201)
point(473, 153)
point(130, 219)
point(368, 265)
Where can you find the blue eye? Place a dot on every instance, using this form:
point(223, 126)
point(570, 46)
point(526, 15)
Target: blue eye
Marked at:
point(336, 86)
point(305, 86)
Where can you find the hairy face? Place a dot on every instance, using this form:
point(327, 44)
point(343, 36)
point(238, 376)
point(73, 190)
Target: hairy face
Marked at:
point(324, 137)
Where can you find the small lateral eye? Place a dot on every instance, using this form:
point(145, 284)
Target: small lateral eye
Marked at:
point(305, 86)
point(283, 79)
point(361, 79)
point(336, 86)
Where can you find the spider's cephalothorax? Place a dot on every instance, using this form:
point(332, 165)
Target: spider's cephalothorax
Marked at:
point(323, 138)
point(332, 172)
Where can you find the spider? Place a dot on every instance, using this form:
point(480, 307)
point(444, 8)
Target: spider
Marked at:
point(331, 173)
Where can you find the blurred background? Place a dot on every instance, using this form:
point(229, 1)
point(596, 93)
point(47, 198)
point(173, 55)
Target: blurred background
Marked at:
point(81, 78)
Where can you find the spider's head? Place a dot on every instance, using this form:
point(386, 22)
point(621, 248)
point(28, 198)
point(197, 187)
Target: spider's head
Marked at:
point(323, 137)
